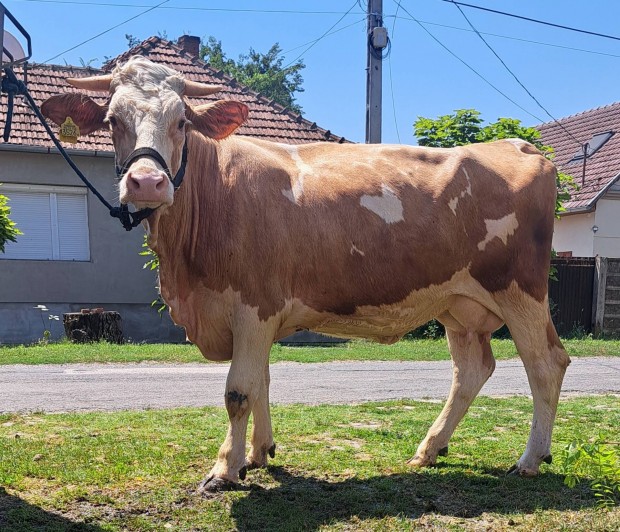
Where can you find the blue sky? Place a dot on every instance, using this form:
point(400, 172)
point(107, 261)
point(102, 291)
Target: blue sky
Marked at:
point(426, 79)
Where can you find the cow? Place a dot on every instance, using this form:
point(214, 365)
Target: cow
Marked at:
point(264, 239)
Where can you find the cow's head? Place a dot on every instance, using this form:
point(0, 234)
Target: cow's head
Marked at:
point(146, 109)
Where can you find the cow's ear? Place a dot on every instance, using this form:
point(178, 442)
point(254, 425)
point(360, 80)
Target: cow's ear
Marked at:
point(219, 119)
point(86, 113)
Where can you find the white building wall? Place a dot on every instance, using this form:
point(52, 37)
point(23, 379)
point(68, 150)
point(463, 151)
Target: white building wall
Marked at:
point(607, 237)
point(574, 233)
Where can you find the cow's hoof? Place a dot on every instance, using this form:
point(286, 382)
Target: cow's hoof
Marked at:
point(443, 451)
point(519, 471)
point(257, 463)
point(418, 461)
point(213, 484)
point(548, 459)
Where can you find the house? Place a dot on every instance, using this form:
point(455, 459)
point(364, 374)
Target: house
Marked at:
point(590, 226)
point(72, 254)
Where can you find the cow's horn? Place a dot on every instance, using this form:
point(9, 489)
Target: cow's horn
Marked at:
point(194, 88)
point(92, 83)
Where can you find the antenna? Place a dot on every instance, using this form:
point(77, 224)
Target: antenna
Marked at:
point(12, 51)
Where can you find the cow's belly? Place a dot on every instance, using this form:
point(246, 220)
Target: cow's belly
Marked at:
point(388, 323)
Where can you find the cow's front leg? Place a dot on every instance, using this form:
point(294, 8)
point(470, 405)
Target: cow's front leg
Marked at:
point(243, 387)
point(262, 436)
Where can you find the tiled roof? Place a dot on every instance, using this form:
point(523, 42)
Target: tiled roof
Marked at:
point(267, 119)
point(602, 168)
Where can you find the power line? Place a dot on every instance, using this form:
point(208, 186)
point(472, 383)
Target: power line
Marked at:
point(326, 35)
point(540, 43)
point(188, 8)
point(391, 80)
point(515, 76)
point(537, 21)
point(322, 36)
point(469, 66)
point(107, 31)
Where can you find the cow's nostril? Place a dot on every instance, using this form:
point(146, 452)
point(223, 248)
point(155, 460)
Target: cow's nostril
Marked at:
point(132, 182)
point(160, 184)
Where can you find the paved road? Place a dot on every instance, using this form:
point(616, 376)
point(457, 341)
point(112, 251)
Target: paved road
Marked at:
point(84, 387)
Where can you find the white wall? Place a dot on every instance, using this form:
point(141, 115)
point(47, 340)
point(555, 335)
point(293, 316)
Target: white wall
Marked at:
point(574, 233)
point(607, 219)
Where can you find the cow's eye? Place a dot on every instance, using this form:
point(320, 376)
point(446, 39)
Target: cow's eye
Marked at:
point(182, 123)
point(113, 121)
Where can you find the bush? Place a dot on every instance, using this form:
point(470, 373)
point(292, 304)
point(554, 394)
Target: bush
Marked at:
point(596, 461)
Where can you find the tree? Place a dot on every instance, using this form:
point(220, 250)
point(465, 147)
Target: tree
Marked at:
point(465, 126)
point(264, 73)
point(8, 229)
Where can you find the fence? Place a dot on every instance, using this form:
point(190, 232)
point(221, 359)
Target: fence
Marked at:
point(572, 295)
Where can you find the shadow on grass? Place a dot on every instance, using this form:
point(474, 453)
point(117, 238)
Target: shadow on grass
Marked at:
point(309, 503)
point(17, 515)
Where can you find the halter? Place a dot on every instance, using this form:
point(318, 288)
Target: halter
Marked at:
point(133, 219)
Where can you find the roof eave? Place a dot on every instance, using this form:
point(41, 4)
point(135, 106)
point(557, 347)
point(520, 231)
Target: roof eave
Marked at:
point(592, 203)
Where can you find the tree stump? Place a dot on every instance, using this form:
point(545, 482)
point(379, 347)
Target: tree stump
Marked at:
point(93, 325)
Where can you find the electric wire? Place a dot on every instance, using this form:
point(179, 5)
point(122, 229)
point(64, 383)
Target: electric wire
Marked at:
point(537, 21)
point(391, 79)
point(327, 35)
point(553, 118)
point(519, 39)
point(107, 31)
point(188, 8)
point(495, 88)
point(322, 36)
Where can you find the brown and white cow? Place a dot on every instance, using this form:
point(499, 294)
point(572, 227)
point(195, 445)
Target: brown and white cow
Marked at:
point(265, 239)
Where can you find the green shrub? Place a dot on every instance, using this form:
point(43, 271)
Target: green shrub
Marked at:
point(597, 461)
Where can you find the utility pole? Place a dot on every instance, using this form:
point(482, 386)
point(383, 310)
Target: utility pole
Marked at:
point(377, 40)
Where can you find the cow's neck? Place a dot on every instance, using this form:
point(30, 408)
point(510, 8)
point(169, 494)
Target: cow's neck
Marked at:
point(187, 232)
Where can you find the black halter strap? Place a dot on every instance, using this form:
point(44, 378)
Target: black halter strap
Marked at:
point(156, 156)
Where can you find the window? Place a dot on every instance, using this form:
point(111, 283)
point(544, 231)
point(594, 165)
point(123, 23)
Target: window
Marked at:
point(53, 220)
point(594, 144)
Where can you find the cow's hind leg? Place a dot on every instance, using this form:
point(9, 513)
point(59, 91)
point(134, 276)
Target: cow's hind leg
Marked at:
point(545, 362)
point(262, 443)
point(468, 329)
point(243, 387)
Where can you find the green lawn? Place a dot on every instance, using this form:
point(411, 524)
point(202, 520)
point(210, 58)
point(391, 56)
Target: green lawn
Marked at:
point(336, 468)
point(65, 352)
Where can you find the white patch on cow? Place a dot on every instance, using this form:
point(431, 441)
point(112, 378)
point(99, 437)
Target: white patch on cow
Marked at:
point(355, 249)
point(517, 143)
point(304, 169)
point(388, 206)
point(454, 202)
point(502, 229)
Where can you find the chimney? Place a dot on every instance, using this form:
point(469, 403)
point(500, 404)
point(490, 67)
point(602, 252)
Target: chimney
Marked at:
point(190, 44)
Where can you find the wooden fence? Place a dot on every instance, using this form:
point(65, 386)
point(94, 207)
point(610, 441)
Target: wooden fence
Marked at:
point(572, 296)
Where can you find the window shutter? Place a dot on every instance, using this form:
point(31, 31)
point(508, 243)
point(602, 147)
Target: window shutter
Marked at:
point(54, 221)
point(72, 227)
point(31, 212)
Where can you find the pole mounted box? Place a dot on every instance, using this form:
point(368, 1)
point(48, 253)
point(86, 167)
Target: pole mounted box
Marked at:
point(379, 38)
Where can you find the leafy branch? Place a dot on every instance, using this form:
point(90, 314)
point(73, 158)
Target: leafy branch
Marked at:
point(8, 229)
point(597, 461)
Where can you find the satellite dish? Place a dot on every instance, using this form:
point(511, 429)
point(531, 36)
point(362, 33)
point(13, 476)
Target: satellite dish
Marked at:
point(12, 46)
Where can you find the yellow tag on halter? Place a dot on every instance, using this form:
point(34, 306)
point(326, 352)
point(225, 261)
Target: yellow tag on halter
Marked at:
point(69, 131)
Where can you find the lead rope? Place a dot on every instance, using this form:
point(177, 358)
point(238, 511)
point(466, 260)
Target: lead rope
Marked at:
point(12, 87)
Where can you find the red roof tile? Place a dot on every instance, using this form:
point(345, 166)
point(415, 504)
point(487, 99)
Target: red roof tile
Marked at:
point(602, 168)
point(267, 120)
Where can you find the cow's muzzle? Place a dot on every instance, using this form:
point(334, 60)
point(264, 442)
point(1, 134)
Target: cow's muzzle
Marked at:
point(139, 153)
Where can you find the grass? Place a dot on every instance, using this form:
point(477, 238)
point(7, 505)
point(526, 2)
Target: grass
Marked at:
point(409, 350)
point(336, 468)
